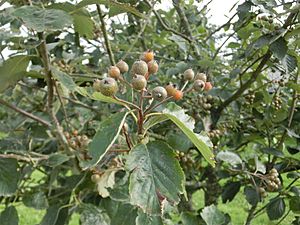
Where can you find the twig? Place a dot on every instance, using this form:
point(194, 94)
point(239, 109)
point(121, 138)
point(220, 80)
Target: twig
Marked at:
point(105, 36)
point(250, 215)
point(50, 95)
point(21, 111)
point(155, 106)
point(22, 158)
point(166, 27)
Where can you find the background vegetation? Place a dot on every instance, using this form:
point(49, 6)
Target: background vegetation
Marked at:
point(56, 132)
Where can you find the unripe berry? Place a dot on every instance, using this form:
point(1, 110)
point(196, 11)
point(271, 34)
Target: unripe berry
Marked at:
point(96, 85)
point(152, 67)
point(123, 66)
point(188, 74)
point(95, 178)
point(208, 86)
point(159, 93)
point(178, 95)
point(139, 67)
point(199, 85)
point(147, 56)
point(201, 76)
point(139, 82)
point(114, 72)
point(171, 89)
point(108, 86)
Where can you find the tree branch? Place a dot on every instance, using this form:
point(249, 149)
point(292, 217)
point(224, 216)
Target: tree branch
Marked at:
point(27, 114)
point(105, 36)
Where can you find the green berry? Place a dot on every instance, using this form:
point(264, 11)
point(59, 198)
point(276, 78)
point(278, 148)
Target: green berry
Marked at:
point(139, 82)
point(188, 75)
point(152, 67)
point(159, 93)
point(201, 76)
point(108, 86)
point(199, 85)
point(123, 66)
point(96, 85)
point(139, 67)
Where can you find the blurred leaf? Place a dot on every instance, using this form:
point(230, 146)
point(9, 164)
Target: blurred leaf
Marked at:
point(125, 7)
point(41, 20)
point(107, 133)
point(279, 48)
point(212, 216)
point(154, 168)
point(179, 141)
point(230, 190)
point(189, 219)
point(289, 62)
point(36, 200)
point(56, 159)
point(252, 196)
point(295, 204)
point(179, 41)
point(229, 157)
point(275, 208)
point(144, 219)
point(9, 176)
point(93, 215)
point(13, 70)
point(9, 216)
point(272, 151)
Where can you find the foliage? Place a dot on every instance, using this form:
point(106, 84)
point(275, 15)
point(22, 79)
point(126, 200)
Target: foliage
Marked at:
point(133, 158)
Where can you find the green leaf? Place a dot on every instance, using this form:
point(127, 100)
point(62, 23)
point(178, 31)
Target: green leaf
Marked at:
point(51, 215)
point(275, 208)
point(113, 3)
point(157, 174)
point(9, 176)
point(179, 142)
point(13, 70)
point(56, 159)
point(229, 157)
point(273, 151)
point(187, 124)
point(230, 190)
point(36, 200)
point(41, 20)
point(119, 213)
point(289, 62)
point(189, 219)
point(279, 48)
point(65, 79)
point(84, 25)
point(295, 204)
point(106, 135)
point(144, 219)
point(252, 195)
point(212, 216)
point(9, 216)
point(93, 215)
point(294, 86)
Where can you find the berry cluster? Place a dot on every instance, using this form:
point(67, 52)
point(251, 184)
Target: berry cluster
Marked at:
point(186, 160)
point(140, 72)
point(64, 66)
point(215, 133)
point(250, 99)
point(77, 141)
point(277, 101)
point(273, 181)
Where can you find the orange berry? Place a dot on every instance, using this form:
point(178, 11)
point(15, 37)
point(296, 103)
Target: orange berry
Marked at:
point(148, 56)
point(178, 95)
point(208, 86)
point(171, 89)
point(114, 72)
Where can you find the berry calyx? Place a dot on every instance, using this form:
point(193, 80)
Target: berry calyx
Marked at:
point(201, 76)
point(171, 89)
point(188, 75)
point(96, 85)
point(208, 86)
point(152, 67)
point(108, 86)
point(159, 93)
point(178, 95)
point(139, 82)
point(114, 72)
point(123, 66)
point(199, 85)
point(147, 56)
point(139, 67)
